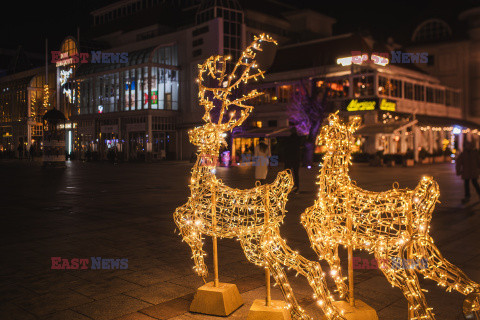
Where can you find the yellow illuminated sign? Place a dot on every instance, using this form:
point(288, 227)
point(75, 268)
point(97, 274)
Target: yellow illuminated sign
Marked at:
point(387, 105)
point(355, 105)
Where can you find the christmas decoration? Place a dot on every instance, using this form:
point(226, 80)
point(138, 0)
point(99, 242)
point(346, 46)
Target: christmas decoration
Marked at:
point(218, 211)
point(394, 225)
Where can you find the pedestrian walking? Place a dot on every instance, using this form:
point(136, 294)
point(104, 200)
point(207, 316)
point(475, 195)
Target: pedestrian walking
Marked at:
point(468, 167)
point(31, 151)
point(262, 155)
point(292, 156)
point(20, 150)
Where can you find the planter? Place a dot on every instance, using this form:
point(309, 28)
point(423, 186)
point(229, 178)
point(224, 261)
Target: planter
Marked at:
point(409, 162)
point(390, 163)
point(439, 159)
point(425, 161)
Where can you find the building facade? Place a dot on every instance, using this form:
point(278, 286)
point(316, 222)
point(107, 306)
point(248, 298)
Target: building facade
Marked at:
point(24, 99)
point(404, 110)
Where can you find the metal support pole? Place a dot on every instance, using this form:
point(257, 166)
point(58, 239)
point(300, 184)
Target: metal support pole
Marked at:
point(350, 273)
point(214, 238)
point(350, 250)
point(268, 297)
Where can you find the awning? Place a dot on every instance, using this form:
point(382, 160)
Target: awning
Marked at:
point(384, 128)
point(263, 132)
point(445, 122)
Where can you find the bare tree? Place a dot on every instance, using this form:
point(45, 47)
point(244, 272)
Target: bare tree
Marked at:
point(307, 111)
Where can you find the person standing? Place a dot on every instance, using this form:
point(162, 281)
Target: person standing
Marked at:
point(292, 156)
point(31, 151)
point(467, 166)
point(262, 155)
point(20, 150)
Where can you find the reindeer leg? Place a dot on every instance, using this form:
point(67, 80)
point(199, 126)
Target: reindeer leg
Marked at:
point(251, 245)
point(433, 265)
point(279, 252)
point(192, 235)
point(407, 281)
point(329, 252)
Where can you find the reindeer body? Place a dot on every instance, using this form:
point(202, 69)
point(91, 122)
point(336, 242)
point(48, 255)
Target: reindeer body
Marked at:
point(218, 211)
point(393, 224)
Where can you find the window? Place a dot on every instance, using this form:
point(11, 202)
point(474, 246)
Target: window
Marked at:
point(197, 52)
point(363, 86)
point(336, 88)
point(456, 99)
point(269, 96)
point(408, 90)
point(431, 60)
point(430, 94)
point(419, 93)
point(272, 123)
point(383, 86)
point(197, 42)
point(432, 30)
point(396, 89)
point(199, 31)
point(439, 96)
point(448, 97)
point(285, 93)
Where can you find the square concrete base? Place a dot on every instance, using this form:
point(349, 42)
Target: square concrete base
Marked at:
point(361, 311)
point(276, 311)
point(220, 301)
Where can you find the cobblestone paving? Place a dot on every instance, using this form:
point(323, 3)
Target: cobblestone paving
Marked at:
point(125, 211)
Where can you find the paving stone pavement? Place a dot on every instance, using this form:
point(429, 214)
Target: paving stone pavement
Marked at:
point(125, 211)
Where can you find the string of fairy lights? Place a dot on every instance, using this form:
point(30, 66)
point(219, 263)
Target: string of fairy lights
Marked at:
point(391, 224)
point(216, 210)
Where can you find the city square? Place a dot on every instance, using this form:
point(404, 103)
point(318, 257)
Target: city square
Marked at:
point(240, 159)
point(125, 211)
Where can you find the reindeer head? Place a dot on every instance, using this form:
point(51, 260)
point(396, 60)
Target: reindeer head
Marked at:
point(337, 136)
point(218, 94)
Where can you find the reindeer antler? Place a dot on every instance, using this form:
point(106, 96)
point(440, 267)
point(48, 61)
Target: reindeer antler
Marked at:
point(216, 68)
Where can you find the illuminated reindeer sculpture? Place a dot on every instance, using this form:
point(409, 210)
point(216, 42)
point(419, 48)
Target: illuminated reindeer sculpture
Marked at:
point(394, 224)
point(216, 210)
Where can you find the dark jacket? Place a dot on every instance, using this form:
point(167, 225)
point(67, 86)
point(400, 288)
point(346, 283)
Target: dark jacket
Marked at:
point(468, 164)
point(292, 150)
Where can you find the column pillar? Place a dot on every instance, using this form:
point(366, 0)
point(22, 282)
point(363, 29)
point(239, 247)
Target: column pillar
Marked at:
point(149, 133)
point(403, 141)
point(416, 141)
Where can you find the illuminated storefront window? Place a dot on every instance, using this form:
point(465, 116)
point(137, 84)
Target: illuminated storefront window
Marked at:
point(363, 86)
point(154, 86)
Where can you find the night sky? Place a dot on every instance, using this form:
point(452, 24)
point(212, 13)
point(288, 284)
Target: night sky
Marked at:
point(29, 23)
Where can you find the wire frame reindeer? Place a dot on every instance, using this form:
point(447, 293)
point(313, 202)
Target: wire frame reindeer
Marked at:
point(393, 225)
point(218, 211)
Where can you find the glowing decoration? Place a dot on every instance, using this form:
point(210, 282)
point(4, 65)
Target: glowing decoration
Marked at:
point(393, 224)
point(218, 211)
point(46, 97)
point(355, 105)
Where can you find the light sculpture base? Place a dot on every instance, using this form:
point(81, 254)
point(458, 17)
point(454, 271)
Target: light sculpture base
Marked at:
point(361, 311)
point(276, 311)
point(216, 301)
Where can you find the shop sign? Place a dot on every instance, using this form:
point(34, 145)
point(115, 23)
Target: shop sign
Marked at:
point(63, 59)
point(356, 105)
point(387, 105)
point(371, 104)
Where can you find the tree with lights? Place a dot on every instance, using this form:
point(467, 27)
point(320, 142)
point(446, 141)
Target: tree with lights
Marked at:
point(307, 111)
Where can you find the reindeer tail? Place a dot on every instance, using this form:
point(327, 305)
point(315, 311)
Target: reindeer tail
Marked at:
point(280, 188)
point(424, 198)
